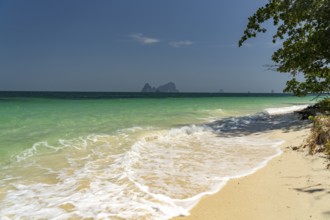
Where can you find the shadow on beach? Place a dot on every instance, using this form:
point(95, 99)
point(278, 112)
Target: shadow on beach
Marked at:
point(262, 122)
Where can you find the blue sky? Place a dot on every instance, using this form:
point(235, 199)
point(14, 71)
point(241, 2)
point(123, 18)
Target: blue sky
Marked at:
point(118, 45)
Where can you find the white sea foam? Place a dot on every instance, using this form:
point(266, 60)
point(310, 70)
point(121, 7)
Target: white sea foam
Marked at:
point(33, 150)
point(131, 175)
point(285, 110)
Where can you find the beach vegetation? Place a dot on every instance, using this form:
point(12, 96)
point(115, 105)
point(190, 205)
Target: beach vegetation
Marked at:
point(303, 30)
point(319, 139)
point(324, 106)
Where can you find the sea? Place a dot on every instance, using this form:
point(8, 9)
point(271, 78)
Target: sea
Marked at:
point(76, 155)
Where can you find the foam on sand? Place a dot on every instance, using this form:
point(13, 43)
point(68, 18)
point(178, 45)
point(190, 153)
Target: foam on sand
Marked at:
point(163, 174)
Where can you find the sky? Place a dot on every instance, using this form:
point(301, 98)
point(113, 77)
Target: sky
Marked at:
point(119, 45)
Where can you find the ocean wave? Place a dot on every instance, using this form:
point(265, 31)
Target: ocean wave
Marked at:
point(138, 172)
point(285, 110)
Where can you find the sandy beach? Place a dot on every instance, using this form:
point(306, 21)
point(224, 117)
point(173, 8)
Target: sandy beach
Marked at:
point(294, 185)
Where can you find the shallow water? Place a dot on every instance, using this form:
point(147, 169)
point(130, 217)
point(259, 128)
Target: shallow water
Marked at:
point(132, 158)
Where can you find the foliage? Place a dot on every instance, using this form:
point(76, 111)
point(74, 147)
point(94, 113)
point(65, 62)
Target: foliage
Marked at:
point(323, 106)
point(319, 139)
point(304, 25)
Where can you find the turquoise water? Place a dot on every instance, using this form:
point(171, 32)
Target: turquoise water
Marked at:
point(124, 148)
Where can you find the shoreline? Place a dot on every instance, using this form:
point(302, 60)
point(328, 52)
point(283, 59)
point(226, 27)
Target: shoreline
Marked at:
point(293, 185)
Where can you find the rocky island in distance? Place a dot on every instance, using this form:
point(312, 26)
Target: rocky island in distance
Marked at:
point(168, 87)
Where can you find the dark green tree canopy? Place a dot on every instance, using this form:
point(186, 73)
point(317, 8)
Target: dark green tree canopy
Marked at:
point(304, 27)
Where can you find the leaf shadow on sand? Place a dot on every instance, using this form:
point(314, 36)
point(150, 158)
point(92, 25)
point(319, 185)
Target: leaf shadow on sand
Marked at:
point(313, 189)
point(327, 214)
point(258, 123)
point(318, 192)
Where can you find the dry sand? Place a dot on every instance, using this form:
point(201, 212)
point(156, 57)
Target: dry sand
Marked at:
point(293, 185)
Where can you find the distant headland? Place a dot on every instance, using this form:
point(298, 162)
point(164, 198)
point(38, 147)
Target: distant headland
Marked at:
point(168, 87)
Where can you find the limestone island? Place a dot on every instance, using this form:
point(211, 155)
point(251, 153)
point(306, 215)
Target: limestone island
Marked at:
point(168, 87)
